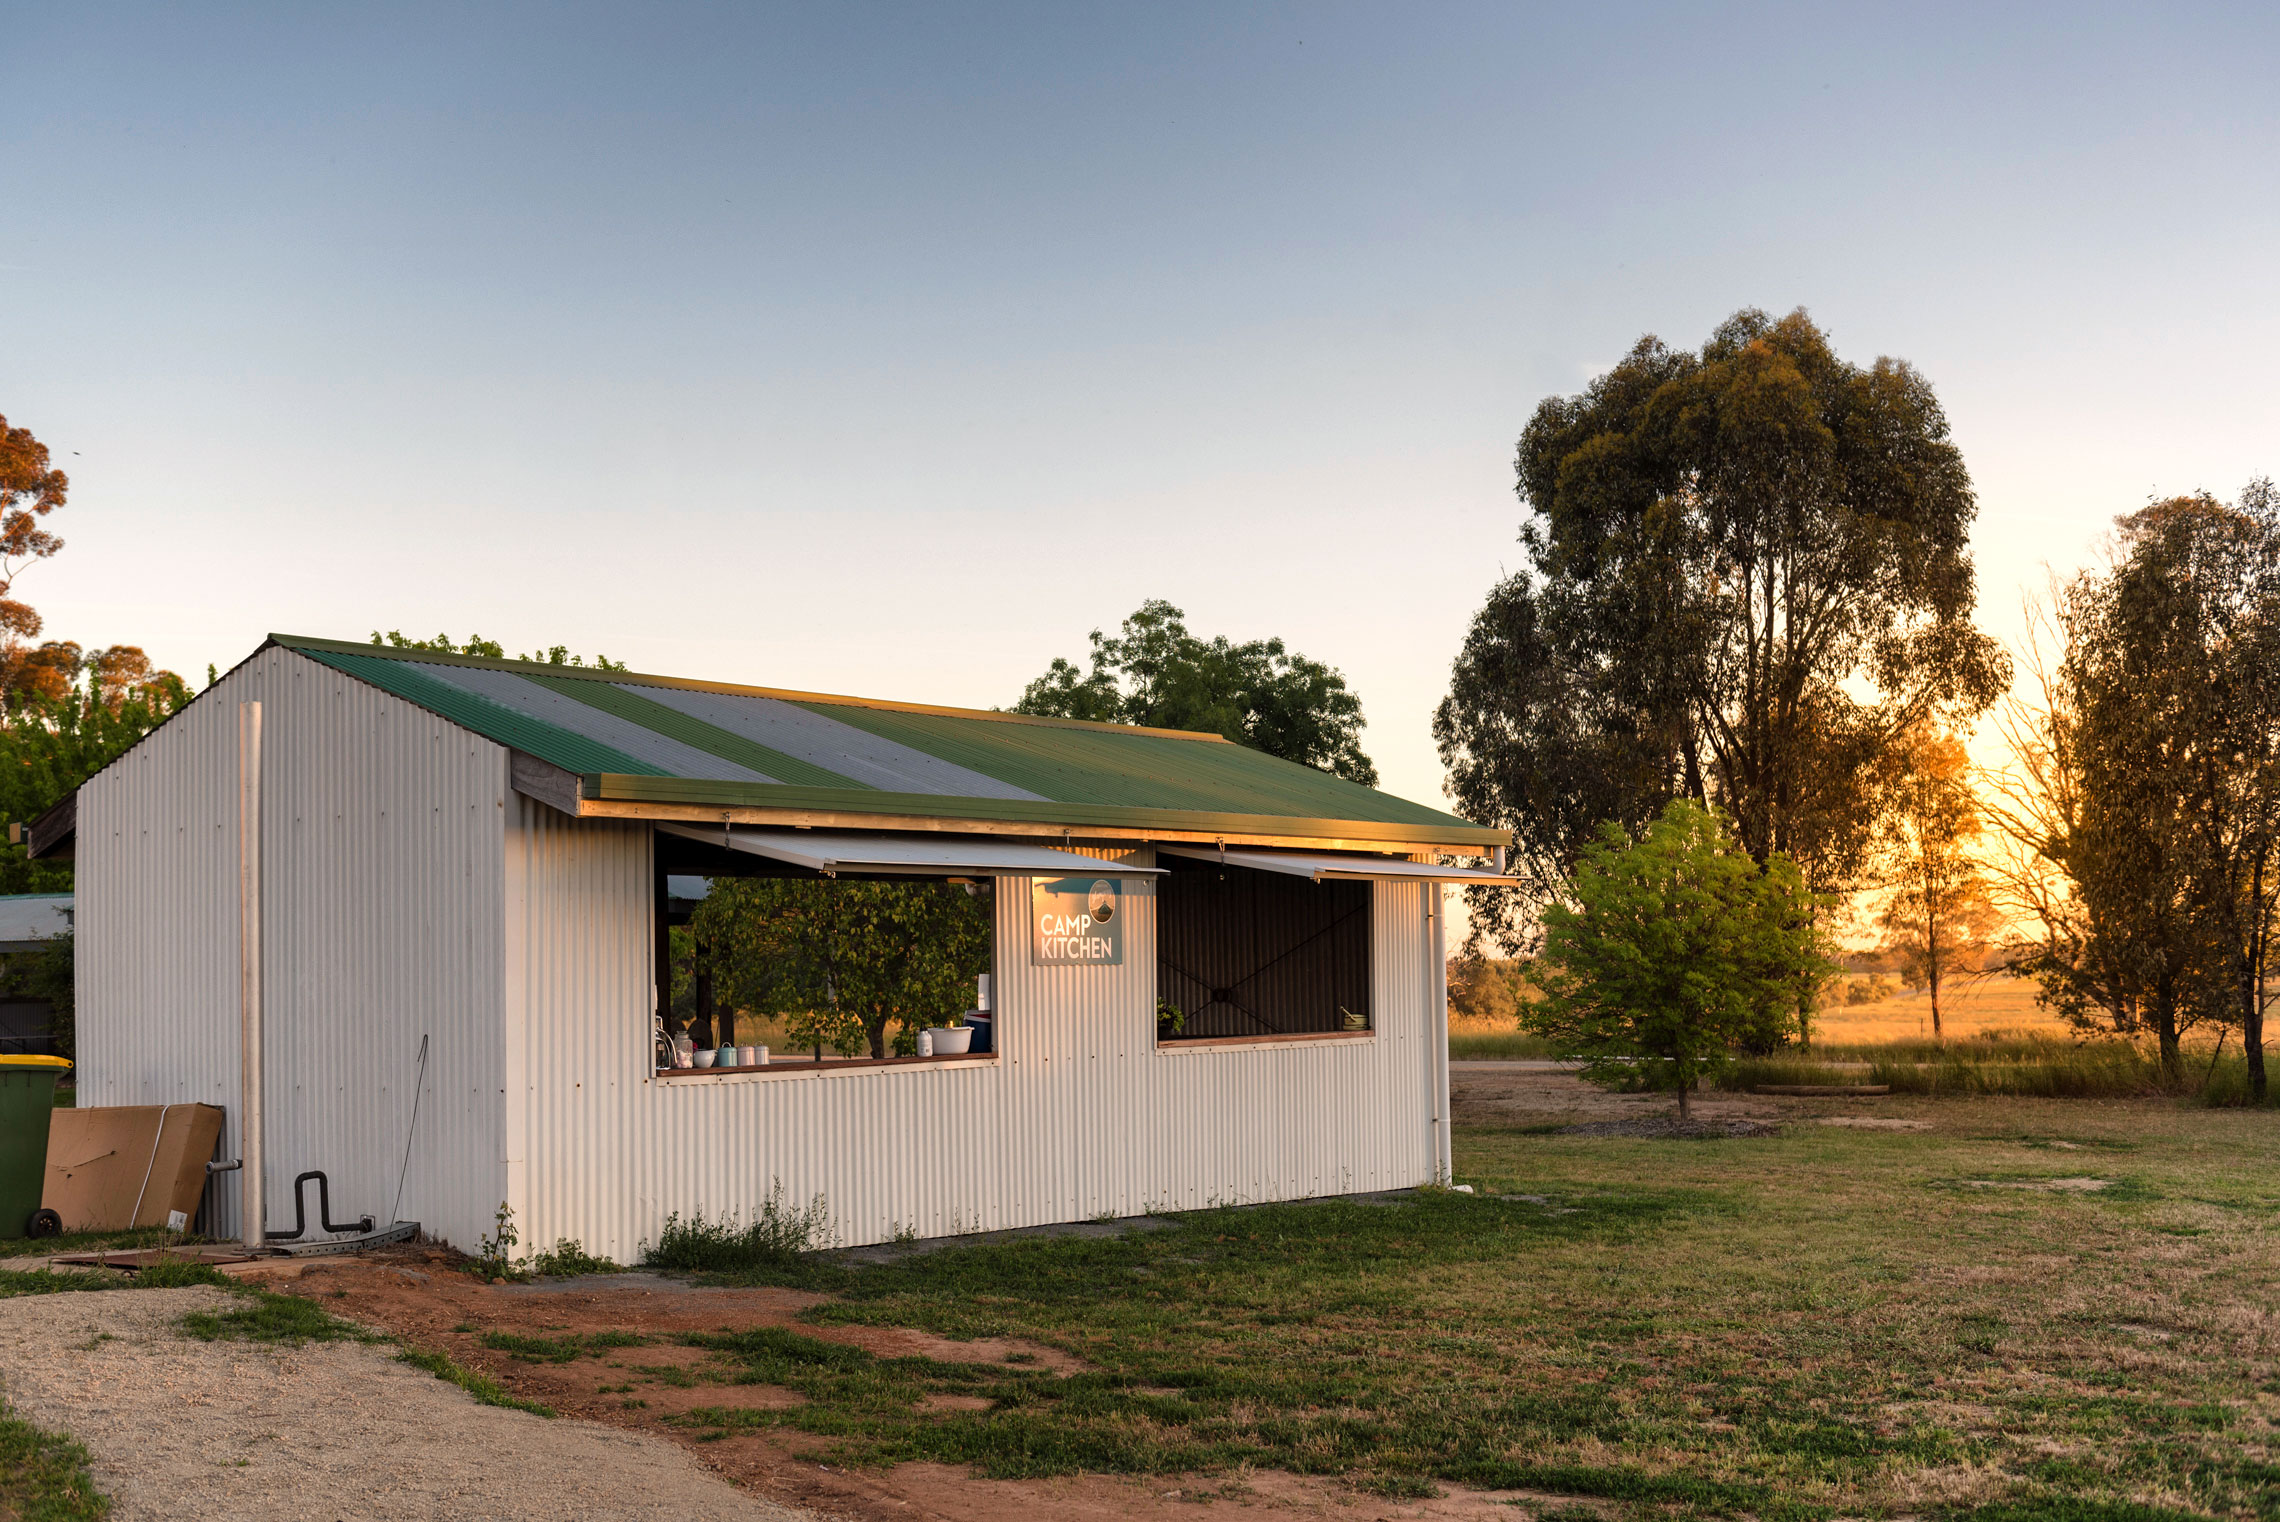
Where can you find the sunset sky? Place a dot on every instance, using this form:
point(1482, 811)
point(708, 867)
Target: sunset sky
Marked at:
point(888, 350)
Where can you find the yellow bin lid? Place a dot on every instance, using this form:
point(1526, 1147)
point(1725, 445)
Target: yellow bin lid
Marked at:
point(34, 1062)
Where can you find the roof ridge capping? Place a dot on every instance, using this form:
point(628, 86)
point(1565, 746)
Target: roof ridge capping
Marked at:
point(692, 684)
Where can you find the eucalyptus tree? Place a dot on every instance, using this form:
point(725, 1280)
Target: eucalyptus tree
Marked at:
point(2154, 778)
point(1747, 575)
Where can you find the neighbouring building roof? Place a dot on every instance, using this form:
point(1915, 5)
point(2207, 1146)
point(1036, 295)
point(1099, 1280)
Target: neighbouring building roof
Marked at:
point(633, 739)
point(27, 919)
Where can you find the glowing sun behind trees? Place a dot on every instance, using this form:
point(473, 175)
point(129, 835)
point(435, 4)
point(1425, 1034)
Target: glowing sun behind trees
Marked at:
point(1679, 949)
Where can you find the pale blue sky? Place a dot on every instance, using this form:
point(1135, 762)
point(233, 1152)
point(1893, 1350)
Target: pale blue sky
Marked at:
point(889, 349)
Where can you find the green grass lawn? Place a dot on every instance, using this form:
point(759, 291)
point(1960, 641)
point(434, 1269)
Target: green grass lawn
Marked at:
point(1825, 1323)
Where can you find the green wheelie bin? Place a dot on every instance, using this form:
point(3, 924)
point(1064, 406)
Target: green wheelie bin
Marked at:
point(27, 1101)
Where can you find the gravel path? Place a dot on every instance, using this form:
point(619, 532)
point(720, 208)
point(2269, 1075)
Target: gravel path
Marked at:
point(188, 1430)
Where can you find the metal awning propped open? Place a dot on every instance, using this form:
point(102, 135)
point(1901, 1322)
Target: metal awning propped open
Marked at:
point(902, 856)
point(1323, 866)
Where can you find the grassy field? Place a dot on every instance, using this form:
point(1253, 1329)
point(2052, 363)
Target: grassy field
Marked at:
point(2056, 1309)
point(1971, 1007)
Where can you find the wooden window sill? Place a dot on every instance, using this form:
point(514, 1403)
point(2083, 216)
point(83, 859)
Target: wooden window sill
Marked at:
point(1221, 1043)
point(808, 1067)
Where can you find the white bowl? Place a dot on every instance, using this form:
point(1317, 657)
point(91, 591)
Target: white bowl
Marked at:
point(951, 1041)
point(703, 1057)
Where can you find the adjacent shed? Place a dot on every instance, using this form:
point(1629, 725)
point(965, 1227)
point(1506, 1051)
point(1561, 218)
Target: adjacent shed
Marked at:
point(461, 873)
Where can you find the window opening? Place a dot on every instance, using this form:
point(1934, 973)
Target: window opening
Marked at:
point(1248, 953)
point(819, 971)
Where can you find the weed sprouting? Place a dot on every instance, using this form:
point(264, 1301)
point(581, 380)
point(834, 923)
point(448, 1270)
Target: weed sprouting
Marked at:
point(774, 1237)
point(495, 1258)
point(568, 1257)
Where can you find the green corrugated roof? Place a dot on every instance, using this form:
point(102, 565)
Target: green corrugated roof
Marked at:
point(1063, 771)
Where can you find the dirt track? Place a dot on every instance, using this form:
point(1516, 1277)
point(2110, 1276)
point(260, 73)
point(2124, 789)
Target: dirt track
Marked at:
point(181, 1429)
point(426, 1304)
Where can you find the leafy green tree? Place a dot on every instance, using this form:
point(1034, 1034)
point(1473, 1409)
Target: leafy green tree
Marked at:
point(491, 649)
point(1679, 948)
point(1258, 694)
point(1748, 575)
point(2150, 781)
point(845, 960)
point(52, 742)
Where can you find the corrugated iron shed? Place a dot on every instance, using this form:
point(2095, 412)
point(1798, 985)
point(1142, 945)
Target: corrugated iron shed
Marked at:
point(624, 744)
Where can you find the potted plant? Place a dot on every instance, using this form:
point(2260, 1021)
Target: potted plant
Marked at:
point(1171, 1020)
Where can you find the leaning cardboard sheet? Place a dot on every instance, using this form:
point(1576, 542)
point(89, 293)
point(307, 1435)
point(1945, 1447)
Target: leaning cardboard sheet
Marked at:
point(133, 1165)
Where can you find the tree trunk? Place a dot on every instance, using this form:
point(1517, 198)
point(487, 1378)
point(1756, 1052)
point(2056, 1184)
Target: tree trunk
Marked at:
point(1933, 973)
point(2252, 977)
point(701, 1028)
point(2165, 1027)
point(2252, 1037)
point(1682, 1089)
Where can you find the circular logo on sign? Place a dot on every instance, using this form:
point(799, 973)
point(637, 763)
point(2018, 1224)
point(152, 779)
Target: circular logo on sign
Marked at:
point(1101, 903)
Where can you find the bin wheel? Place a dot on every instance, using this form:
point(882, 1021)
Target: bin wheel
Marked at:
point(44, 1223)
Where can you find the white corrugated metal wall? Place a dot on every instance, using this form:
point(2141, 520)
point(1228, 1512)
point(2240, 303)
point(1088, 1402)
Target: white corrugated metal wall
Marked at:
point(381, 862)
point(1081, 1115)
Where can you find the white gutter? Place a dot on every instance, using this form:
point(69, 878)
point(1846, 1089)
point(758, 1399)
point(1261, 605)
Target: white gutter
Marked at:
point(249, 975)
point(1437, 1003)
point(1435, 989)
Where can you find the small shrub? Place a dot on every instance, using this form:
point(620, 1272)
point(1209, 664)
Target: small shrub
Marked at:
point(776, 1235)
point(568, 1256)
